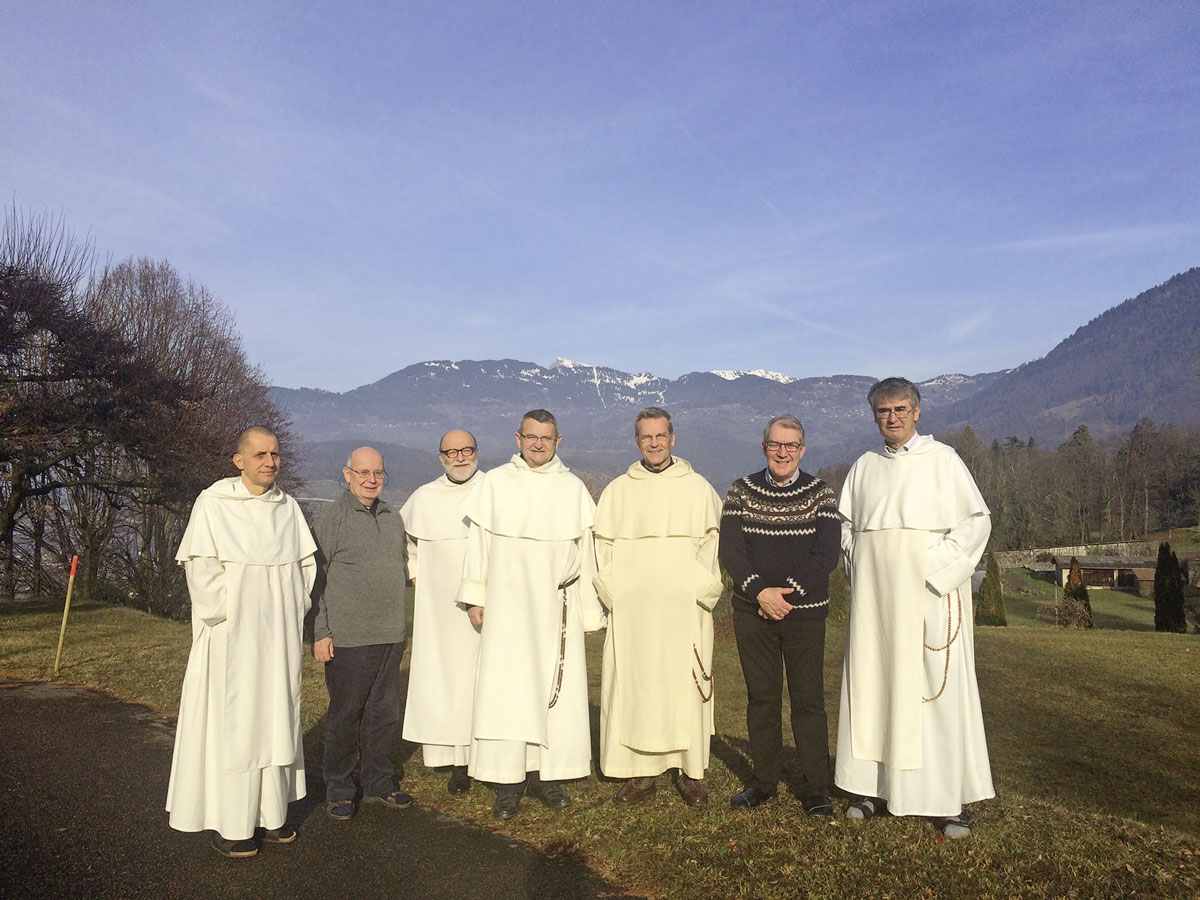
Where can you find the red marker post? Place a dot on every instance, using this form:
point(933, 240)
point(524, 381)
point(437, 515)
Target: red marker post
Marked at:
point(62, 632)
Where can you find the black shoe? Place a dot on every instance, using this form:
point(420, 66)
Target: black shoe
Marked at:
point(234, 849)
point(549, 794)
point(460, 781)
point(751, 798)
point(506, 805)
point(284, 834)
point(818, 805)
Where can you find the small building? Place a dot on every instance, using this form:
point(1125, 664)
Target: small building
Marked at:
point(1129, 573)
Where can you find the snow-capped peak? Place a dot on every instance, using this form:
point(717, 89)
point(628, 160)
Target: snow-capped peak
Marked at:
point(734, 375)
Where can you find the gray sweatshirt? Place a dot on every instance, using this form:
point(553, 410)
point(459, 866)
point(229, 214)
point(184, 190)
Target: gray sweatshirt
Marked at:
point(359, 595)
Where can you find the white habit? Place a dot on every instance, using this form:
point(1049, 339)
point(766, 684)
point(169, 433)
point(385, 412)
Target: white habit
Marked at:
point(910, 726)
point(239, 755)
point(657, 572)
point(445, 645)
point(530, 533)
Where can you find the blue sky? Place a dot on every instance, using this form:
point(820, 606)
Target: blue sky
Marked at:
point(813, 188)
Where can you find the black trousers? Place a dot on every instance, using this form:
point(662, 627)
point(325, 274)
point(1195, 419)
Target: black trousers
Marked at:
point(767, 650)
point(364, 711)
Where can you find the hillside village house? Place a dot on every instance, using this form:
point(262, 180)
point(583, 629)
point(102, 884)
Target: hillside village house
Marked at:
point(1125, 572)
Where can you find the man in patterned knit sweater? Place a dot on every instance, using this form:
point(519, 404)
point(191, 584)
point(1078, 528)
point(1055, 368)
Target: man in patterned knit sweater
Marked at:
point(779, 541)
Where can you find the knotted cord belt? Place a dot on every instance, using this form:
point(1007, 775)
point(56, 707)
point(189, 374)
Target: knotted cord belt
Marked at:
point(707, 676)
point(952, 632)
point(562, 641)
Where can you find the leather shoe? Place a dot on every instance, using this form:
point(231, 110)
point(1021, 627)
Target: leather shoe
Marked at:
point(460, 781)
point(692, 790)
point(635, 790)
point(818, 805)
point(549, 794)
point(751, 798)
point(506, 805)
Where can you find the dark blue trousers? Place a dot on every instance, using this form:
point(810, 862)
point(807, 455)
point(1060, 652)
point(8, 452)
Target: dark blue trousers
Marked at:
point(364, 711)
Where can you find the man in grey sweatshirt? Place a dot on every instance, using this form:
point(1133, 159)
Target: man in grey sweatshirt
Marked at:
point(358, 633)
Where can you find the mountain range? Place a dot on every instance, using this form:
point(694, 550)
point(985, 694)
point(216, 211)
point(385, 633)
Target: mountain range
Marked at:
point(1138, 359)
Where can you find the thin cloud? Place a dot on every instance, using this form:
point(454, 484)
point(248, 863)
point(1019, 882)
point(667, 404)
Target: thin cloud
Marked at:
point(1082, 240)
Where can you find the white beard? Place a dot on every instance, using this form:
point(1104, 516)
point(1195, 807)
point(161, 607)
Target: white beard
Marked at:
point(458, 474)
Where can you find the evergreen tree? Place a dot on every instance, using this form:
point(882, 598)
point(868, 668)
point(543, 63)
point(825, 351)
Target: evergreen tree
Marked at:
point(1075, 609)
point(1168, 592)
point(990, 610)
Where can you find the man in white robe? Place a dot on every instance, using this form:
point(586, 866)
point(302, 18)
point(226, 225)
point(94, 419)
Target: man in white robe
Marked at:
point(910, 728)
point(656, 571)
point(445, 645)
point(239, 754)
point(527, 582)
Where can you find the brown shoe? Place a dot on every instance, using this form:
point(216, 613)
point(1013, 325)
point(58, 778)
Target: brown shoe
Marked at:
point(635, 790)
point(692, 790)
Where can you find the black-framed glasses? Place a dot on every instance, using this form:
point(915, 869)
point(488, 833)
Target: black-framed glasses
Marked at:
point(900, 412)
point(790, 446)
point(456, 452)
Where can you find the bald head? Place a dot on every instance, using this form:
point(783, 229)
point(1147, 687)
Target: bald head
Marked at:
point(365, 474)
point(254, 431)
point(459, 455)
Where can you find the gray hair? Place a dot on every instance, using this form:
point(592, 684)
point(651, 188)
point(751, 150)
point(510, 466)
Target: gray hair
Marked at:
point(787, 421)
point(653, 412)
point(894, 387)
point(544, 416)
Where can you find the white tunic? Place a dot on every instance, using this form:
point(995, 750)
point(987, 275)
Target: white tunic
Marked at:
point(657, 572)
point(910, 726)
point(530, 533)
point(239, 754)
point(445, 645)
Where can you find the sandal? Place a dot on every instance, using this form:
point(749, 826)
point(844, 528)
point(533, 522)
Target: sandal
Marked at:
point(864, 808)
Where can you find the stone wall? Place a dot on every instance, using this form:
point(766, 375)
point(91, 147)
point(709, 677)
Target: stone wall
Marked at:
point(1008, 559)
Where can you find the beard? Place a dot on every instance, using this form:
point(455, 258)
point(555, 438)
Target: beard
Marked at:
point(458, 473)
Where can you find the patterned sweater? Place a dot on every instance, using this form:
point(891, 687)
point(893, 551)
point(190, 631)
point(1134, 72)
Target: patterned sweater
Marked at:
point(775, 536)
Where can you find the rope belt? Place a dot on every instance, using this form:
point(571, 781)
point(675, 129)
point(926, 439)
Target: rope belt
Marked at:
point(707, 676)
point(952, 632)
point(562, 641)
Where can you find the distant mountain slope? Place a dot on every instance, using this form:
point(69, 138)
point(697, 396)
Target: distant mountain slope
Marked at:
point(1137, 359)
point(718, 417)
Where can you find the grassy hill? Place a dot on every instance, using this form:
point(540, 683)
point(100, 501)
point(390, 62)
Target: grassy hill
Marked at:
point(1092, 737)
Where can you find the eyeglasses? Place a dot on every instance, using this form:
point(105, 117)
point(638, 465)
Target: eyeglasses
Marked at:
point(538, 438)
point(900, 412)
point(790, 446)
point(365, 474)
point(456, 452)
point(657, 438)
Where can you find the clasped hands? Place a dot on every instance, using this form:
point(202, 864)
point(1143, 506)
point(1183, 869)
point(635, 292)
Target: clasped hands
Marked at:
point(772, 605)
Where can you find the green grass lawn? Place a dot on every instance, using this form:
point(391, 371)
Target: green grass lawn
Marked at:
point(1030, 601)
point(1093, 737)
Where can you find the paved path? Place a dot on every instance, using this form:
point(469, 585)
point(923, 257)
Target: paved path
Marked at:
point(83, 778)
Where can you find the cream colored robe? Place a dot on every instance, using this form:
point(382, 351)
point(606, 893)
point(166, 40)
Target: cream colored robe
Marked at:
point(915, 526)
point(239, 754)
point(657, 572)
point(531, 531)
point(445, 645)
